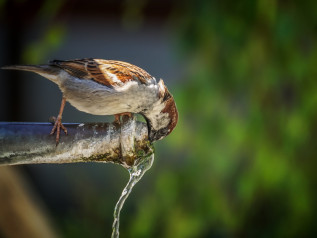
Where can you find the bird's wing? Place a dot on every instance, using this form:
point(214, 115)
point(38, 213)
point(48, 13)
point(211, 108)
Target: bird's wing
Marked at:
point(110, 73)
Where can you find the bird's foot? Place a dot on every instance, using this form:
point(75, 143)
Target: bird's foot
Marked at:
point(117, 117)
point(57, 128)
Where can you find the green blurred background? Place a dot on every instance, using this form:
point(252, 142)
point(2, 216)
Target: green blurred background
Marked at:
point(242, 160)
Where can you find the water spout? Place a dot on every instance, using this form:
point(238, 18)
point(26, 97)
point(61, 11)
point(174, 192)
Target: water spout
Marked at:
point(136, 172)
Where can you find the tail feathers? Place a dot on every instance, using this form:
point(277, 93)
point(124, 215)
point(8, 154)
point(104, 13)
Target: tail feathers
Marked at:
point(40, 69)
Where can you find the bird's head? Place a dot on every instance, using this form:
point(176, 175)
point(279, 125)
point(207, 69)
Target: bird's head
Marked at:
point(163, 116)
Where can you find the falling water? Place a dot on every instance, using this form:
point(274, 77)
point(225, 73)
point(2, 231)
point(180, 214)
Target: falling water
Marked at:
point(136, 172)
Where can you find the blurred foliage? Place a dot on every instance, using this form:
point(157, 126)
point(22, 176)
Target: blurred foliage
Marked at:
point(247, 125)
point(132, 14)
point(49, 40)
point(38, 50)
point(20, 15)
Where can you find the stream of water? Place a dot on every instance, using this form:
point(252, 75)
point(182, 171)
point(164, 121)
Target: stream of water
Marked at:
point(136, 172)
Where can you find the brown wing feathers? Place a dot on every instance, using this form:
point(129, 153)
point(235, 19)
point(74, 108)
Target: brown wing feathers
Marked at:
point(74, 68)
point(107, 72)
point(128, 71)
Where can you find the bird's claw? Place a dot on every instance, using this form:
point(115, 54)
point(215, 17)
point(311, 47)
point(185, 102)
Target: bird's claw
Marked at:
point(117, 117)
point(57, 128)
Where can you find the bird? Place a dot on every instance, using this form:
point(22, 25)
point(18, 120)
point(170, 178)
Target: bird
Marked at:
point(110, 87)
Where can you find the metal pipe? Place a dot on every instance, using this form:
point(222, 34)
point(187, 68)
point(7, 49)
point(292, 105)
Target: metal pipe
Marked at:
point(30, 143)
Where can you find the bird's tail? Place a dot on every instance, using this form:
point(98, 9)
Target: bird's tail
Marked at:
point(48, 71)
point(40, 69)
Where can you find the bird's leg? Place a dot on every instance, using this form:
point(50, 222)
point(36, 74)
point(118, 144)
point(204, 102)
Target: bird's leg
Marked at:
point(58, 122)
point(117, 116)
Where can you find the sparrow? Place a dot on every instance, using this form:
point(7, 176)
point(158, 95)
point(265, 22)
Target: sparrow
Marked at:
point(110, 87)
